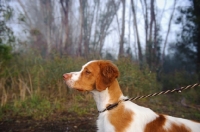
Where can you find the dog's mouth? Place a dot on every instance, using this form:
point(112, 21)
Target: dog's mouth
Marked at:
point(70, 84)
point(80, 90)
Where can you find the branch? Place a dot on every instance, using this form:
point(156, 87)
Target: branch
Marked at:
point(26, 14)
point(137, 33)
point(169, 27)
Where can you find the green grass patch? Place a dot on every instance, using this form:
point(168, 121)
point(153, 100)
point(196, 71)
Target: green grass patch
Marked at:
point(34, 107)
point(82, 104)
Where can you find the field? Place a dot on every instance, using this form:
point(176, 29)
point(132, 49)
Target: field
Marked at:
point(35, 98)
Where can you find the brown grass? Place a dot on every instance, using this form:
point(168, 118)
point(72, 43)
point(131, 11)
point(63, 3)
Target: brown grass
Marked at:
point(33, 87)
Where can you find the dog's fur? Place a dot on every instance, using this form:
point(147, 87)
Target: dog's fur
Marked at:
point(100, 77)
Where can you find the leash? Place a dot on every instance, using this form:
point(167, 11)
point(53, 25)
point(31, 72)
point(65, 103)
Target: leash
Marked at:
point(178, 90)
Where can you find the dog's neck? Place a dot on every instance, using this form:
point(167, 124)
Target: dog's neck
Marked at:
point(110, 95)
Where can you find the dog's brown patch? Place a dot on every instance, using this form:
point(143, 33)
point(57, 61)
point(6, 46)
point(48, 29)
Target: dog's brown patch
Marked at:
point(157, 125)
point(120, 118)
point(108, 73)
point(114, 92)
point(179, 128)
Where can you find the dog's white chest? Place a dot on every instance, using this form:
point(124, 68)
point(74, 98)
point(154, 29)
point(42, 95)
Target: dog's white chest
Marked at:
point(103, 123)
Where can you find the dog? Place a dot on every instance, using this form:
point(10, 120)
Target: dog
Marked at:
point(116, 114)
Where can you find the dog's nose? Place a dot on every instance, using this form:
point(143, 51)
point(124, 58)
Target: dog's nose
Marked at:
point(67, 76)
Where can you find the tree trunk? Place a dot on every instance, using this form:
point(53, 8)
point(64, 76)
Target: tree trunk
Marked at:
point(150, 41)
point(154, 52)
point(137, 34)
point(65, 8)
point(121, 47)
point(196, 7)
point(79, 51)
point(146, 22)
point(86, 30)
point(47, 9)
point(169, 27)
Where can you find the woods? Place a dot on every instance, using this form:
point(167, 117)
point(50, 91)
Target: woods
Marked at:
point(163, 38)
point(89, 27)
point(155, 44)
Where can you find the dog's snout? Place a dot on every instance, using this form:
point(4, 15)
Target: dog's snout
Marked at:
point(67, 76)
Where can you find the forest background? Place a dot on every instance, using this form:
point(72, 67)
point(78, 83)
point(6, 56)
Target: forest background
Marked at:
point(155, 44)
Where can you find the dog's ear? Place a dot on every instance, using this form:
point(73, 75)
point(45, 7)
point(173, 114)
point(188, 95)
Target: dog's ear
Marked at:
point(108, 73)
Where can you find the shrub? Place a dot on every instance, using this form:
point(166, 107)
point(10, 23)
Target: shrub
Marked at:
point(134, 81)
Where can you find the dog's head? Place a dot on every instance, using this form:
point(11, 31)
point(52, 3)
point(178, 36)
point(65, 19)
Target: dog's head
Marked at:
point(97, 75)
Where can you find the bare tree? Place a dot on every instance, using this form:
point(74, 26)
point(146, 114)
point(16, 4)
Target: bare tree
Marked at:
point(121, 43)
point(84, 31)
point(151, 43)
point(87, 15)
point(137, 34)
point(168, 31)
point(54, 21)
point(104, 16)
point(65, 4)
point(43, 22)
point(46, 8)
point(25, 13)
point(152, 37)
point(81, 14)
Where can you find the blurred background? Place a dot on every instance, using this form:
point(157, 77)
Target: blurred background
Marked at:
point(155, 44)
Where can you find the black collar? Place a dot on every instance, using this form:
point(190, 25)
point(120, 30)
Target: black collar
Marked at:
point(111, 106)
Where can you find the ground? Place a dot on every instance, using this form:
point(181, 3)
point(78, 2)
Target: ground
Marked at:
point(74, 122)
point(63, 122)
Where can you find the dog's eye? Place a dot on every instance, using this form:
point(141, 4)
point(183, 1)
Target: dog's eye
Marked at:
point(87, 72)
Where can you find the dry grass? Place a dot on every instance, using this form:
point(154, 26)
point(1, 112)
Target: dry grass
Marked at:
point(33, 87)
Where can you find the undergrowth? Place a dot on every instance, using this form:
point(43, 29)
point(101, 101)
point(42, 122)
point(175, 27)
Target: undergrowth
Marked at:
point(32, 86)
point(33, 107)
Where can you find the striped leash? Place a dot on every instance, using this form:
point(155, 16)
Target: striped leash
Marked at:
point(179, 90)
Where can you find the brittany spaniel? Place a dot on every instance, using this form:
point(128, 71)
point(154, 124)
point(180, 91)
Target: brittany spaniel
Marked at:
point(99, 77)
